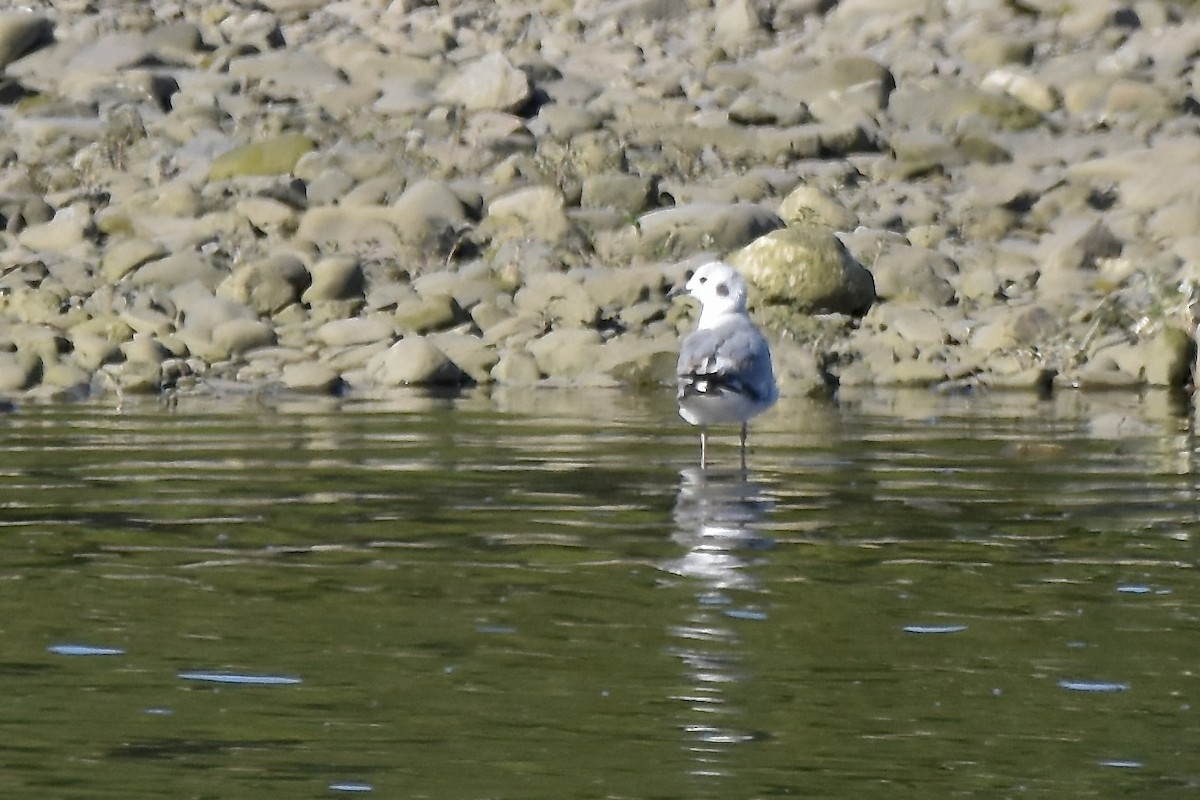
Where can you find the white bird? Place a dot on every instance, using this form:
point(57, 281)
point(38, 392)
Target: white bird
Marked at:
point(724, 372)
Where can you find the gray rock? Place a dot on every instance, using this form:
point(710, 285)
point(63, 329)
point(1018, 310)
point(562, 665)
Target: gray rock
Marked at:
point(620, 288)
point(798, 371)
point(849, 88)
point(467, 288)
point(563, 122)
point(736, 24)
point(21, 31)
point(630, 193)
point(340, 229)
point(19, 371)
point(1033, 325)
point(298, 71)
point(125, 255)
point(236, 336)
point(268, 214)
point(354, 357)
point(32, 305)
point(92, 351)
point(134, 377)
point(808, 204)
point(918, 326)
point(335, 278)
point(43, 341)
point(178, 270)
point(426, 314)
point(516, 330)
point(681, 230)
point(311, 376)
point(914, 272)
point(145, 347)
point(490, 82)
point(266, 364)
point(942, 105)
point(429, 204)
point(1079, 244)
point(404, 94)
point(531, 212)
point(1169, 358)
point(516, 368)
point(638, 361)
point(993, 49)
point(65, 233)
point(557, 297)
point(268, 285)
point(327, 187)
point(489, 313)
point(200, 311)
point(65, 380)
point(469, 353)
point(632, 14)
point(1103, 371)
point(414, 360)
point(1140, 101)
point(376, 327)
point(566, 352)
point(1022, 85)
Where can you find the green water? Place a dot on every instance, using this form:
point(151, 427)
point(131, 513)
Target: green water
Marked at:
point(537, 595)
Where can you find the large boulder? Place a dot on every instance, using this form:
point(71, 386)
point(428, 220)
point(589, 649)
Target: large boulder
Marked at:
point(807, 268)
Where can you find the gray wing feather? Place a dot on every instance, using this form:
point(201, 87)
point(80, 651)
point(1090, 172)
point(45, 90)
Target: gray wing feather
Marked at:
point(732, 356)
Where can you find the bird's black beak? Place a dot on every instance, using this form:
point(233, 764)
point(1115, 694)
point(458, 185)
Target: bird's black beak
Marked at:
point(680, 289)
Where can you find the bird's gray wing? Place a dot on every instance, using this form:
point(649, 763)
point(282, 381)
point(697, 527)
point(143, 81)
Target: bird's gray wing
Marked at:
point(731, 357)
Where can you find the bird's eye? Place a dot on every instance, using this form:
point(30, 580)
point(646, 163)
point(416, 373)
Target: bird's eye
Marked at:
point(702, 279)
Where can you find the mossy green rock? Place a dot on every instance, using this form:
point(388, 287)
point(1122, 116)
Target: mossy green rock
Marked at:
point(808, 269)
point(274, 156)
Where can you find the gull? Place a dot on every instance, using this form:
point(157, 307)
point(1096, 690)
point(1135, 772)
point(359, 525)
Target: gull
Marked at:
point(724, 372)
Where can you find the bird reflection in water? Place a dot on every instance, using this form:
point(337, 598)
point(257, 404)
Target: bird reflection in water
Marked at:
point(716, 515)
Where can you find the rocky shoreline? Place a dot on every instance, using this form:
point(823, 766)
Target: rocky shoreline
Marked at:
point(357, 195)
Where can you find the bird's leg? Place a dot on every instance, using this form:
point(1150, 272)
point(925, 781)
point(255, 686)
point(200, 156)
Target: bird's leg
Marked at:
point(743, 447)
point(703, 449)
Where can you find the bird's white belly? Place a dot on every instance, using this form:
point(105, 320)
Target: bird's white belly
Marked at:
point(717, 409)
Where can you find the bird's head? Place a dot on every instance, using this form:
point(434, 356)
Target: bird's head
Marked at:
point(719, 288)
